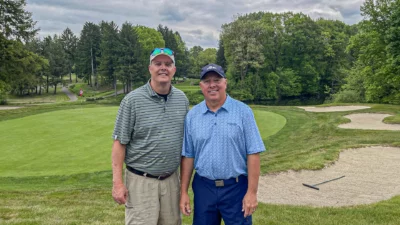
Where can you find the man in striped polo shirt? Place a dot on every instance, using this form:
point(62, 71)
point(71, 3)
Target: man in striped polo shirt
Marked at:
point(222, 143)
point(148, 138)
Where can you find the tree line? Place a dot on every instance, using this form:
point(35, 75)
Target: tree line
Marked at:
point(271, 56)
point(267, 56)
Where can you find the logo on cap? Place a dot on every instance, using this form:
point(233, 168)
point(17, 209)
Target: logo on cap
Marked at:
point(211, 68)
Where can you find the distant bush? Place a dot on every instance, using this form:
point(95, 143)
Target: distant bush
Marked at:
point(347, 96)
point(194, 97)
point(92, 99)
point(241, 95)
point(119, 98)
point(3, 93)
point(194, 82)
point(3, 98)
point(392, 99)
point(294, 102)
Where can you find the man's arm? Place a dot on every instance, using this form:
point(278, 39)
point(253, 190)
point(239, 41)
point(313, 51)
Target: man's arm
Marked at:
point(119, 191)
point(250, 199)
point(186, 174)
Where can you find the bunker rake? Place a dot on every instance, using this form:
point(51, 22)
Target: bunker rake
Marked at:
point(314, 186)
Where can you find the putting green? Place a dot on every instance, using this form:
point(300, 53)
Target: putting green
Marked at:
point(268, 123)
point(57, 143)
point(73, 141)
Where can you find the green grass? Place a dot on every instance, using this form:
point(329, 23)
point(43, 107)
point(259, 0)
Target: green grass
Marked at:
point(89, 91)
point(68, 141)
point(392, 119)
point(312, 140)
point(186, 82)
point(85, 206)
point(188, 88)
point(42, 98)
point(65, 78)
point(64, 141)
point(268, 123)
point(189, 85)
point(80, 195)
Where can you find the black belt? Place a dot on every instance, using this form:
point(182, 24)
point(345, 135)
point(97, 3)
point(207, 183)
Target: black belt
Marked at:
point(140, 173)
point(222, 182)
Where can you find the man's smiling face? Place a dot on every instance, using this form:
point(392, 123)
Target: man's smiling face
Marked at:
point(162, 69)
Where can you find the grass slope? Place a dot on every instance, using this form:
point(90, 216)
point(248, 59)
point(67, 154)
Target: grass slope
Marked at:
point(69, 141)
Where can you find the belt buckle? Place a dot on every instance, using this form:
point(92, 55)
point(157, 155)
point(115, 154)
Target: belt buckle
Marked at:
point(219, 183)
point(163, 176)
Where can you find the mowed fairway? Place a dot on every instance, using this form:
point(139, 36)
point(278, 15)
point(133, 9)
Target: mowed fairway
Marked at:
point(73, 141)
point(57, 143)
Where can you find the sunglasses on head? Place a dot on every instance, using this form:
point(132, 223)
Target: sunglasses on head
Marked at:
point(158, 51)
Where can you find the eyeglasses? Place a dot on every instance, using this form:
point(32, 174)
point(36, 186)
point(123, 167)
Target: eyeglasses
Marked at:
point(158, 51)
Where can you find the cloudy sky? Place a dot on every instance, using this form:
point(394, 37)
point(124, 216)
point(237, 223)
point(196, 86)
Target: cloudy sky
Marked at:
point(198, 21)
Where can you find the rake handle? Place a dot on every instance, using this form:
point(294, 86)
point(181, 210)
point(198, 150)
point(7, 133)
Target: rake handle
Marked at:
point(329, 180)
point(315, 185)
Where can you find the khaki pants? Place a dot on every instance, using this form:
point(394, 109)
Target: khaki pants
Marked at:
point(151, 201)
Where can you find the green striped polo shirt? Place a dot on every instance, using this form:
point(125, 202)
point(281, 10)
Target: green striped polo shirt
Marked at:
point(152, 129)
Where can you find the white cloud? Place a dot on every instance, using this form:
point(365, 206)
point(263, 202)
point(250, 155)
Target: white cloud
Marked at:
point(198, 22)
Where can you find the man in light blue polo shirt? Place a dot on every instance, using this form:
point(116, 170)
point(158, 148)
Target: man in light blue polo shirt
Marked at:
point(222, 143)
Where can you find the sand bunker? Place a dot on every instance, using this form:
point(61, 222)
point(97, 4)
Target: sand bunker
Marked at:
point(8, 107)
point(369, 121)
point(334, 108)
point(371, 175)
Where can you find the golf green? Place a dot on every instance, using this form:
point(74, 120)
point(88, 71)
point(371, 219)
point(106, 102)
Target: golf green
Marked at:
point(268, 123)
point(74, 141)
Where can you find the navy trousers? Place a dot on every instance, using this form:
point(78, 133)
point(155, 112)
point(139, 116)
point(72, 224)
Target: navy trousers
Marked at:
point(213, 201)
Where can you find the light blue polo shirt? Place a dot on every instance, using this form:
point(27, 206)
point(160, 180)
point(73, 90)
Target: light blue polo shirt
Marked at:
point(220, 142)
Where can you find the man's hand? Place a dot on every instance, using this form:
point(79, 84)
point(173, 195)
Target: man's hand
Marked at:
point(119, 193)
point(249, 204)
point(185, 204)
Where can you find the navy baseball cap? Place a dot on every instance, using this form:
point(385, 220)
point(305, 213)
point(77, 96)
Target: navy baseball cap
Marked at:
point(212, 68)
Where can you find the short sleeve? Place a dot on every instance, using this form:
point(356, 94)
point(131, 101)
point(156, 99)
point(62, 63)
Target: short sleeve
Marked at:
point(253, 141)
point(187, 146)
point(125, 121)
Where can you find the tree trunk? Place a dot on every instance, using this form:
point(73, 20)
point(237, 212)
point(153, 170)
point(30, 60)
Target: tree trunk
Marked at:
point(129, 80)
point(242, 74)
point(55, 88)
point(129, 84)
point(91, 55)
point(47, 84)
point(115, 85)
